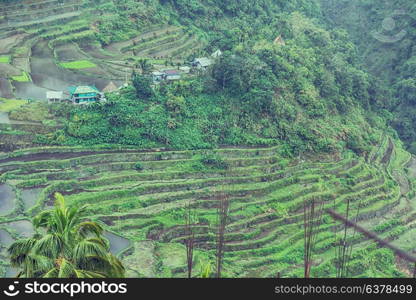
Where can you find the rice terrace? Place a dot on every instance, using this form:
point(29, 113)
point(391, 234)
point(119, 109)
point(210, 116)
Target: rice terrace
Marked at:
point(201, 152)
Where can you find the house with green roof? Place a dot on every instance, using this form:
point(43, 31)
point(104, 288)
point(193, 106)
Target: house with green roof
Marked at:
point(84, 94)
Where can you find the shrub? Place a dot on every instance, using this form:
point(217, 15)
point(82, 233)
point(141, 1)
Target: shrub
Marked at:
point(138, 166)
point(214, 160)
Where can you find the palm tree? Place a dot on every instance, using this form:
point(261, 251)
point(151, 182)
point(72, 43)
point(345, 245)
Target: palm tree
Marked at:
point(65, 246)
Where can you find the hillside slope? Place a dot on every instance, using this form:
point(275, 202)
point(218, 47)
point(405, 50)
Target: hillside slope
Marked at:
point(288, 114)
point(142, 198)
point(385, 34)
point(308, 91)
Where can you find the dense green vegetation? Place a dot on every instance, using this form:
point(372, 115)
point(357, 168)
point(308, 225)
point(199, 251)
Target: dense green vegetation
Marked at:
point(8, 105)
point(69, 247)
point(80, 64)
point(298, 108)
point(143, 196)
point(21, 78)
point(4, 59)
point(385, 34)
point(303, 93)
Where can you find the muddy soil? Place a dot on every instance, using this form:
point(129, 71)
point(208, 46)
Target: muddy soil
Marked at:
point(69, 53)
point(95, 51)
point(8, 43)
point(29, 90)
point(7, 70)
point(46, 74)
point(6, 89)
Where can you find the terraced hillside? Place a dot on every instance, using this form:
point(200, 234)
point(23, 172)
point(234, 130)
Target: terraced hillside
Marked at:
point(140, 196)
point(39, 38)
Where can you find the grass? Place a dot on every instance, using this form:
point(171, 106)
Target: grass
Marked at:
point(22, 78)
point(265, 232)
point(79, 64)
point(5, 59)
point(33, 112)
point(153, 61)
point(7, 105)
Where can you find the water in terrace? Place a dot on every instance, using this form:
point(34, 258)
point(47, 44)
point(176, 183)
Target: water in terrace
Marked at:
point(4, 118)
point(5, 88)
point(117, 243)
point(10, 272)
point(23, 227)
point(29, 197)
point(7, 197)
point(5, 239)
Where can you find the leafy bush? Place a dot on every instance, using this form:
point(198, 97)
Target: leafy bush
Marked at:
point(213, 160)
point(138, 166)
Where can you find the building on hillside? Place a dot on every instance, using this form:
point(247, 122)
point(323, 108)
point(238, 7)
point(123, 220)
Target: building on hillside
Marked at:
point(279, 41)
point(158, 76)
point(110, 88)
point(84, 95)
point(216, 54)
point(55, 97)
point(185, 69)
point(167, 75)
point(202, 63)
point(172, 75)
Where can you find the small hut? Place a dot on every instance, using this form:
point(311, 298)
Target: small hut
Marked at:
point(216, 54)
point(279, 41)
point(54, 97)
point(110, 88)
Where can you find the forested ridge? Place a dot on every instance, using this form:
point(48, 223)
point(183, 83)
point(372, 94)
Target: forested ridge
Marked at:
point(309, 92)
point(217, 172)
point(385, 35)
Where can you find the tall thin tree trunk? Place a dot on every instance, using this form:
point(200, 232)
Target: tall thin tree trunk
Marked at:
point(190, 240)
point(312, 218)
point(222, 215)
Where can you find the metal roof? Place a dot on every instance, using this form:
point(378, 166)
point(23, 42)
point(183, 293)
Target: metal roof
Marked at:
point(172, 72)
point(83, 89)
point(203, 61)
point(54, 95)
point(217, 53)
point(157, 73)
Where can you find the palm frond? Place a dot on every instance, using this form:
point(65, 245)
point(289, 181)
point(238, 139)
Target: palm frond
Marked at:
point(35, 265)
point(42, 219)
point(52, 273)
point(19, 249)
point(88, 274)
point(88, 228)
point(59, 201)
point(66, 269)
point(70, 247)
point(88, 247)
point(50, 245)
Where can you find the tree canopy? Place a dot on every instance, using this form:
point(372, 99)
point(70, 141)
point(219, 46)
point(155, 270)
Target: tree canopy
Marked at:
point(64, 246)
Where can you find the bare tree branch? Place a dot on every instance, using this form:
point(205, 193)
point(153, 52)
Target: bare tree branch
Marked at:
point(222, 215)
point(402, 254)
point(190, 240)
point(312, 219)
